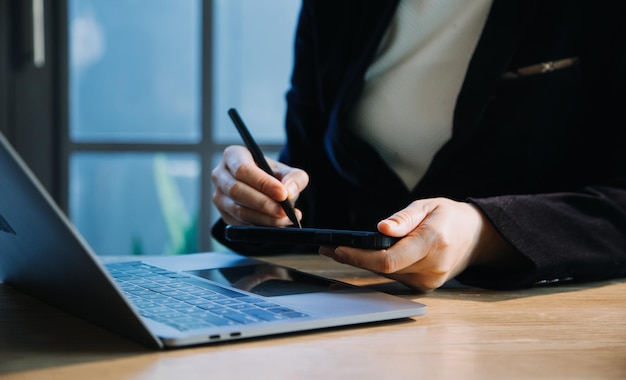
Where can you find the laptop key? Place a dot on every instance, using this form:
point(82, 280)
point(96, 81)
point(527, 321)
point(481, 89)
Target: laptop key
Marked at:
point(240, 317)
point(185, 303)
point(263, 314)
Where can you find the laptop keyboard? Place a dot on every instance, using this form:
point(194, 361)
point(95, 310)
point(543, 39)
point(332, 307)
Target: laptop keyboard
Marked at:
point(187, 303)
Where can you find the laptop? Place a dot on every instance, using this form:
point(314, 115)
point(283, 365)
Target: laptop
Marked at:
point(166, 301)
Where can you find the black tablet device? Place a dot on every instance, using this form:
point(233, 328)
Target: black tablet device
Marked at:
point(312, 236)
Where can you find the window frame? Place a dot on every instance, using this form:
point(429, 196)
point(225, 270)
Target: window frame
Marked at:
point(34, 107)
point(204, 148)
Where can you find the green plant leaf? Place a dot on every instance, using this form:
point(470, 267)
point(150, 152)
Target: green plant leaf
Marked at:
point(182, 229)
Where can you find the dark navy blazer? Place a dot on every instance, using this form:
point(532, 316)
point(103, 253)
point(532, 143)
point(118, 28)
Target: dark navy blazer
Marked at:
point(543, 155)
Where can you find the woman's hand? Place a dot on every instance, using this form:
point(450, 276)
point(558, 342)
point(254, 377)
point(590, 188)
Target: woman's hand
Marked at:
point(245, 194)
point(441, 238)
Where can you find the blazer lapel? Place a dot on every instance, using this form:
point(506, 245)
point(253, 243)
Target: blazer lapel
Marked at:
point(505, 25)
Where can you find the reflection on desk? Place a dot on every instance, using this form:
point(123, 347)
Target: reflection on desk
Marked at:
point(572, 331)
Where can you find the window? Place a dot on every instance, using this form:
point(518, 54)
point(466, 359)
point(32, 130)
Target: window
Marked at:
point(149, 85)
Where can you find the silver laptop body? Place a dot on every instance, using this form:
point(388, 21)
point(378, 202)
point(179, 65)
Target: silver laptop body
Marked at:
point(43, 255)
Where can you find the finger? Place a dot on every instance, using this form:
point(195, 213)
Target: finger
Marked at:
point(422, 281)
point(403, 254)
point(295, 180)
point(239, 162)
point(407, 219)
point(238, 214)
point(241, 194)
point(414, 270)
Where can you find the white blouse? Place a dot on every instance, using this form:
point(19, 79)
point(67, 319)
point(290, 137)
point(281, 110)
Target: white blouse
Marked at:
point(410, 92)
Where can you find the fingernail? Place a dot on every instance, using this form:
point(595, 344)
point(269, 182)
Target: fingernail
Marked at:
point(330, 252)
point(292, 189)
point(390, 222)
point(338, 255)
point(325, 251)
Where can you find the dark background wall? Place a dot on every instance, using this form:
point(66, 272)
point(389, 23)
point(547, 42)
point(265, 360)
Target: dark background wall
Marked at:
point(30, 100)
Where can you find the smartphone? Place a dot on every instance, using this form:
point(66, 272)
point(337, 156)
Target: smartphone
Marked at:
point(312, 236)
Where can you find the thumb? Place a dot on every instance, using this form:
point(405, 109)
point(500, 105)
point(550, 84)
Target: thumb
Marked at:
point(405, 220)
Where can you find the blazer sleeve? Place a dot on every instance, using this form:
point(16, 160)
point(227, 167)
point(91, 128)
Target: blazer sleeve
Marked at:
point(577, 235)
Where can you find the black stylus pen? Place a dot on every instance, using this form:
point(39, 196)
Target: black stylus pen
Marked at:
point(260, 160)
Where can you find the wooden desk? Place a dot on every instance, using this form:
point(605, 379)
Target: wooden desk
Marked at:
point(573, 332)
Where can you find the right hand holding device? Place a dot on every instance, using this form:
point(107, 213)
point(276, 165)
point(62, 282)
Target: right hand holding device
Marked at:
point(440, 238)
point(245, 194)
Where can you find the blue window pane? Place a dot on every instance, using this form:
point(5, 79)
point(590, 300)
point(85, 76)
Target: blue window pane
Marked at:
point(136, 203)
point(135, 70)
point(252, 50)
